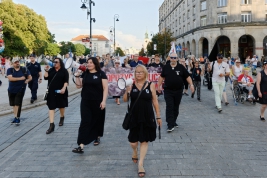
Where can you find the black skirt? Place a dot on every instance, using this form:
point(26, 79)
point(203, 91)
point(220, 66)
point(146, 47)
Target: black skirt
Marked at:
point(142, 133)
point(92, 121)
point(57, 100)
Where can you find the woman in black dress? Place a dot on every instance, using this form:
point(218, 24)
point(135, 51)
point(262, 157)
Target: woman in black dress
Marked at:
point(142, 125)
point(117, 69)
point(94, 94)
point(58, 79)
point(262, 89)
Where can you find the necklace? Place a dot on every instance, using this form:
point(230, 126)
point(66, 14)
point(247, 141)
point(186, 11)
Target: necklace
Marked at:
point(173, 66)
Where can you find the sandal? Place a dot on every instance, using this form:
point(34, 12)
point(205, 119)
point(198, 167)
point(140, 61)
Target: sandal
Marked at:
point(97, 142)
point(77, 150)
point(141, 171)
point(135, 156)
point(226, 103)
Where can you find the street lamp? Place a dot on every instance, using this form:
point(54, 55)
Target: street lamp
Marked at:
point(164, 20)
point(116, 19)
point(89, 13)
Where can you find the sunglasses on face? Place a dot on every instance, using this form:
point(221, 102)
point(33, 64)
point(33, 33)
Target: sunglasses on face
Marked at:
point(55, 62)
point(173, 57)
point(220, 58)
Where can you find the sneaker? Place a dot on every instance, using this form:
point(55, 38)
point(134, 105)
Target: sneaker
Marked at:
point(176, 125)
point(170, 129)
point(14, 121)
point(219, 110)
point(186, 94)
point(262, 119)
point(17, 121)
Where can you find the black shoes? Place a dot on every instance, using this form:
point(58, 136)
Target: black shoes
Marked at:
point(176, 125)
point(226, 103)
point(170, 129)
point(262, 119)
point(97, 142)
point(199, 99)
point(61, 122)
point(51, 128)
point(77, 150)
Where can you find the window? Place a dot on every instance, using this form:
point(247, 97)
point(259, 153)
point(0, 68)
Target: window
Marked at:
point(194, 23)
point(245, 1)
point(194, 10)
point(188, 27)
point(183, 17)
point(203, 5)
point(222, 3)
point(184, 30)
point(246, 17)
point(180, 31)
point(188, 14)
point(222, 18)
point(203, 21)
point(179, 20)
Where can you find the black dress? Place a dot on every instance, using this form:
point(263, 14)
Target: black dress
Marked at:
point(263, 88)
point(92, 117)
point(57, 100)
point(143, 124)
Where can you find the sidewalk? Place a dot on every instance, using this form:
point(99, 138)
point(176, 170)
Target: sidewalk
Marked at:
point(206, 144)
point(4, 101)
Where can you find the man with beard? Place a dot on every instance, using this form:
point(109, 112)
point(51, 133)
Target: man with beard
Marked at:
point(173, 75)
point(18, 78)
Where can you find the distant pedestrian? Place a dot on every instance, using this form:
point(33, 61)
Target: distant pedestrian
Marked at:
point(173, 75)
point(135, 61)
point(117, 70)
point(18, 78)
point(109, 62)
point(156, 62)
point(36, 73)
point(183, 62)
point(3, 63)
point(58, 79)
point(142, 124)
point(196, 77)
point(219, 70)
point(94, 94)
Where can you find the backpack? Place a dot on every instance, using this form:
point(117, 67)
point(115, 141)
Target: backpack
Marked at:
point(24, 71)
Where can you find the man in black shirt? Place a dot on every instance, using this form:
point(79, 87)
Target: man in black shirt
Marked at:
point(36, 73)
point(173, 75)
point(82, 60)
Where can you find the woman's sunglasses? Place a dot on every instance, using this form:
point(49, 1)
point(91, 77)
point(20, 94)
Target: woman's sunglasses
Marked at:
point(55, 62)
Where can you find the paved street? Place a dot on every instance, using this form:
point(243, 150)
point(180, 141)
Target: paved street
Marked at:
point(206, 144)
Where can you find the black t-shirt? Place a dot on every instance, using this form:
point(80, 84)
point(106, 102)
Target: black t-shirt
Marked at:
point(156, 65)
point(196, 72)
point(174, 77)
point(92, 85)
point(34, 69)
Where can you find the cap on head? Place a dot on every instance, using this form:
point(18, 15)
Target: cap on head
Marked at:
point(15, 59)
point(219, 55)
point(264, 62)
point(32, 55)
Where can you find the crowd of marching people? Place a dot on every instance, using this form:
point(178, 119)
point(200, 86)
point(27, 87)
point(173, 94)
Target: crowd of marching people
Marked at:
point(176, 77)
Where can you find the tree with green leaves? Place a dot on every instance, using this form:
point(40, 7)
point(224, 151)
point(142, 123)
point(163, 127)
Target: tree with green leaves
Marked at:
point(66, 47)
point(79, 49)
point(142, 52)
point(87, 51)
point(52, 49)
point(22, 27)
point(119, 51)
point(159, 39)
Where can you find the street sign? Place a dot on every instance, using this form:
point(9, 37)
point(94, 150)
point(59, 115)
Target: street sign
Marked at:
point(155, 47)
point(178, 48)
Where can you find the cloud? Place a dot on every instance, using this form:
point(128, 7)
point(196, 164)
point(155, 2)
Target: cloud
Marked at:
point(65, 31)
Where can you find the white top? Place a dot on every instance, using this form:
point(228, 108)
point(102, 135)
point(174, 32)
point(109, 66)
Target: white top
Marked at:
point(255, 61)
point(238, 71)
point(219, 69)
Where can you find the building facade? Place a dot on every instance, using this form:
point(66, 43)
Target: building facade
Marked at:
point(100, 44)
point(204, 27)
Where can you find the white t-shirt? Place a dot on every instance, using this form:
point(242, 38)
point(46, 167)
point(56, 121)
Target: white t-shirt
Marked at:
point(255, 61)
point(238, 71)
point(219, 69)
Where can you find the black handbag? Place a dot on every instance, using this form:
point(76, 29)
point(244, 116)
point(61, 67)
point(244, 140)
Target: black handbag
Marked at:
point(127, 118)
point(46, 92)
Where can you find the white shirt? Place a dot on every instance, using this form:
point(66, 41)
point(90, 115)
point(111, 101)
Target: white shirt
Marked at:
point(238, 71)
point(255, 61)
point(219, 69)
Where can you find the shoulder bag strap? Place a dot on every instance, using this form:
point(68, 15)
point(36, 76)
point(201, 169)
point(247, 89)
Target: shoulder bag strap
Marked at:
point(137, 97)
point(51, 81)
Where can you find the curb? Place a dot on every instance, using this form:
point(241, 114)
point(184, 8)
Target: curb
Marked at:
point(35, 104)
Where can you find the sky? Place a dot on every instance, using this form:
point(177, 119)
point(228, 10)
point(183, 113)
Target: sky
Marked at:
point(66, 20)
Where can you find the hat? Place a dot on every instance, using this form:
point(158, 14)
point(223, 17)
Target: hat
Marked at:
point(15, 59)
point(220, 55)
point(238, 60)
point(117, 61)
point(32, 55)
point(264, 62)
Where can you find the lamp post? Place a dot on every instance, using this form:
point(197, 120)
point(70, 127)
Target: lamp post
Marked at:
point(116, 19)
point(89, 13)
point(164, 20)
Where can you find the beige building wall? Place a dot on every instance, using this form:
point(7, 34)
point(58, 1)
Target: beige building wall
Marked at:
point(183, 19)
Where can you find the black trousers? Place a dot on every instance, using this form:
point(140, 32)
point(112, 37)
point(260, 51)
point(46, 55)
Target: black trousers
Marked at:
point(92, 121)
point(33, 85)
point(172, 99)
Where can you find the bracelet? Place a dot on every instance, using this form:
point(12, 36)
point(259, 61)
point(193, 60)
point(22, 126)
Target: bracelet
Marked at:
point(158, 118)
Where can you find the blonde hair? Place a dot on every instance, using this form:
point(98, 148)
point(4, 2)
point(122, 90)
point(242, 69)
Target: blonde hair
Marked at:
point(145, 71)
